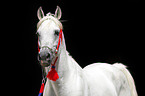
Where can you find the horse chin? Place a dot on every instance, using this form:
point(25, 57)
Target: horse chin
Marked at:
point(45, 63)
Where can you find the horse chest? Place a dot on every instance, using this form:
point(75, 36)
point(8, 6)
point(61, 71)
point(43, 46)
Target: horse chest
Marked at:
point(71, 88)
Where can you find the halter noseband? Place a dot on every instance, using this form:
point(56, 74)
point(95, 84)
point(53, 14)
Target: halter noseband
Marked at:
point(58, 45)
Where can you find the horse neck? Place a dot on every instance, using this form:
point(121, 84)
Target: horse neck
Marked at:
point(66, 68)
point(66, 65)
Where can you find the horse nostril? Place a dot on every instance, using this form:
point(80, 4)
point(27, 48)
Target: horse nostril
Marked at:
point(48, 55)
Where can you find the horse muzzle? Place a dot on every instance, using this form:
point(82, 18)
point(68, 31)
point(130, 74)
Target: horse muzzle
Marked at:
point(45, 56)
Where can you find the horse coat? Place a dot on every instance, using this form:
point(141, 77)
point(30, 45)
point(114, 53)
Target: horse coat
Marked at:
point(64, 75)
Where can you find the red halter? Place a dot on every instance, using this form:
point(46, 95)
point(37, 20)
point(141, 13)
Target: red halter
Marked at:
point(52, 74)
point(60, 40)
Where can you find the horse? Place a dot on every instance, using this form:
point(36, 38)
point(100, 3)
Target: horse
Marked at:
point(65, 77)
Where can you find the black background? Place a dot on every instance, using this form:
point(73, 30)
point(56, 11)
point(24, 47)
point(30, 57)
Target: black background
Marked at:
point(94, 32)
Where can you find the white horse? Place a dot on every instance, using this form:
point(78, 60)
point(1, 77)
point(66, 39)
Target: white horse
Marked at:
point(98, 79)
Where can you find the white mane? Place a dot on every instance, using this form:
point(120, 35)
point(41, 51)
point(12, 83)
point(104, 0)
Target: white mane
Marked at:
point(50, 16)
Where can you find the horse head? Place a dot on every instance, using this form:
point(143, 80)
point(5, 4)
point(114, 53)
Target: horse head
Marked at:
point(49, 30)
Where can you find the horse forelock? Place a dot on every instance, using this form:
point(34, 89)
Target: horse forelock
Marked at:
point(50, 17)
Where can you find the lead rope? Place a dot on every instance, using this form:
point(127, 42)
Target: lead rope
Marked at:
point(41, 88)
point(52, 74)
point(43, 83)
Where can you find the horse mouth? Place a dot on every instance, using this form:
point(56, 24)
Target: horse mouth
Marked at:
point(45, 63)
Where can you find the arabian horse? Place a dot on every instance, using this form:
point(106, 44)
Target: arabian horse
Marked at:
point(64, 76)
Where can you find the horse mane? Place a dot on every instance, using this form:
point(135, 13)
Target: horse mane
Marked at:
point(50, 17)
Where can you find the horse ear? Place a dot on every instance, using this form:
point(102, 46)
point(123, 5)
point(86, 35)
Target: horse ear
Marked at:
point(58, 13)
point(40, 13)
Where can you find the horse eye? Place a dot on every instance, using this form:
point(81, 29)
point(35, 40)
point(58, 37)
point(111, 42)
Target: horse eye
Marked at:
point(37, 34)
point(56, 32)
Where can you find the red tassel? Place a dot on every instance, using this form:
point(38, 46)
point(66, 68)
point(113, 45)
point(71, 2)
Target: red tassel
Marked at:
point(52, 74)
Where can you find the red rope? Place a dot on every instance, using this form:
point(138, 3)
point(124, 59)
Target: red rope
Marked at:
point(52, 74)
point(60, 38)
point(38, 45)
